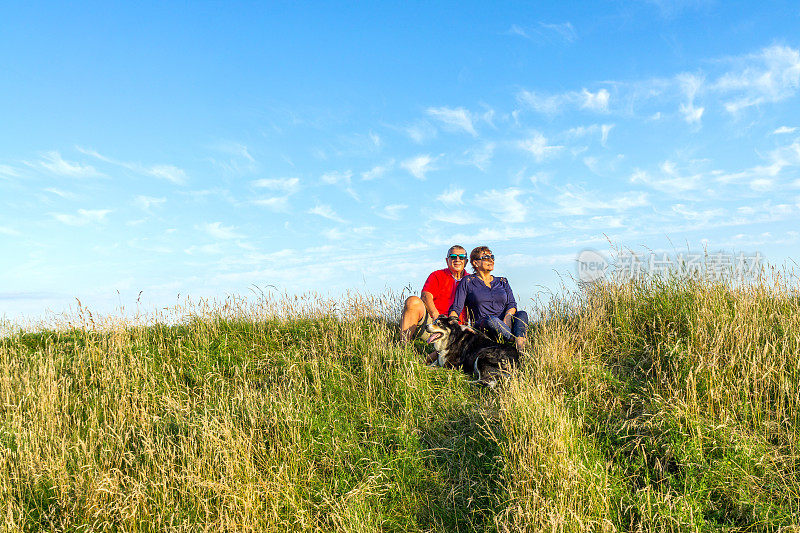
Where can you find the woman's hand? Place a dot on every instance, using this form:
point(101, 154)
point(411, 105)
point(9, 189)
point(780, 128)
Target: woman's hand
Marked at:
point(507, 318)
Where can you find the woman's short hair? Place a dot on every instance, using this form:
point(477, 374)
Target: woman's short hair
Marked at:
point(476, 253)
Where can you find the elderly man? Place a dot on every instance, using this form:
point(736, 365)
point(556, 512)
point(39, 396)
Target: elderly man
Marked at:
point(436, 297)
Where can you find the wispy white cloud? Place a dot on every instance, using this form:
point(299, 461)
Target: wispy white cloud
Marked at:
point(671, 180)
point(53, 162)
point(577, 201)
point(772, 75)
point(555, 103)
point(167, 172)
point(690, 85)
point(337, 177)
point(457, 217)
point(505, 205)
point(363, 230)
point(762, 184)
point(342, 178)
point(419, 166)
point(325, 211)
point(239, 160)
point(487, 236)
point(377, 171)
point(605, 129)
point(5, 230)
point(481, 156)
point(287, 185)
point(218, 231)
point(548, 104)
point(333, 234)
point(376, 139)
point(391, 212)
point(83, 217)
point(517, 30)
point(595, 101)
point(671, 8)
point(488, 116)
point(782, 157)
point(784, 129)
point(170, 173)
point(543, 31)
point(421, 131)
point(452, 196)
point(597, 222)
point(7, 171)
point(274, 203)
point(146, 202)
point(147, 245)
point(63, 194)
point(458, 119)
point(205, 249)
point(565, 30)
point(537, 145)
point(700, 216)
point(593, 129)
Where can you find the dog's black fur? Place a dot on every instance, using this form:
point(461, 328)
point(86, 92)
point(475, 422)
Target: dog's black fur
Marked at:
point(473, 352)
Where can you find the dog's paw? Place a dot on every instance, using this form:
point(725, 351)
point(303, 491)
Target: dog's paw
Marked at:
point(488, 383)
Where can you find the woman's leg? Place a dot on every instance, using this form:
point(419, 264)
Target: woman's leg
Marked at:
point(519, 324)
point(495, 328)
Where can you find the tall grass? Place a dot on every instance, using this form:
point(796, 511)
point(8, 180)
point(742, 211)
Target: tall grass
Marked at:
point(658, 405)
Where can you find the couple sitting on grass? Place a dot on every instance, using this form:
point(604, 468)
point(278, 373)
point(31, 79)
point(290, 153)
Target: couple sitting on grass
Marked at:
point(485, 300)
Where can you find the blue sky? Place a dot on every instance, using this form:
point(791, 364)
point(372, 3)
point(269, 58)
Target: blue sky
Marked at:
point(205, 148)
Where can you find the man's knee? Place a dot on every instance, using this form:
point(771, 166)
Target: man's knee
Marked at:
point(521, 316)
point(413, 302)
point(413, 309)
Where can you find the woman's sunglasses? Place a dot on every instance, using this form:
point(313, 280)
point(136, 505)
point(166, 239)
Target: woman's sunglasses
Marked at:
point(489, 257)
point(453, 257)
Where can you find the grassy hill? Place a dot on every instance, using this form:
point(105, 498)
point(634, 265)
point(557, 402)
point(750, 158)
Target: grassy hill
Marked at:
point(652, 406)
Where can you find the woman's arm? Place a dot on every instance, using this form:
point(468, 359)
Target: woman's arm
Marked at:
point(507, 316)
point(459, 298)
point(511, 304)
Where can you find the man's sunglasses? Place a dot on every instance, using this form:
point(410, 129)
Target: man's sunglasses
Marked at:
point(489, 257)
point(463, 257)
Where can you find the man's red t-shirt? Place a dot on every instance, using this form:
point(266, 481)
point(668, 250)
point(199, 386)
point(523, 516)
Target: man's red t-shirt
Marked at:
point(442, 286)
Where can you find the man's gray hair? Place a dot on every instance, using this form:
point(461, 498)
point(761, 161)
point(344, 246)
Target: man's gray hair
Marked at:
point(454, 247)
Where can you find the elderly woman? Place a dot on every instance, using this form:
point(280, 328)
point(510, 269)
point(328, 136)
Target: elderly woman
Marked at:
point(489, 301)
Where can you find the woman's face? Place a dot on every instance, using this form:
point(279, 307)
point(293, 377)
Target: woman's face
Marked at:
point(485, 261)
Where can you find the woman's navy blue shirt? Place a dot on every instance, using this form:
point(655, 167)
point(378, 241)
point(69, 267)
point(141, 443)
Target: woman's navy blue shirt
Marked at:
point(482, 301)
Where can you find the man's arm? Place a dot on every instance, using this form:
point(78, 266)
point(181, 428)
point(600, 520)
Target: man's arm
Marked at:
point(427, 299)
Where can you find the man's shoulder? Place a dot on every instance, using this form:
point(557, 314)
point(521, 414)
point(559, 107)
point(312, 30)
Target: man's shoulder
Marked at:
point(436, 277)
point(439, 273)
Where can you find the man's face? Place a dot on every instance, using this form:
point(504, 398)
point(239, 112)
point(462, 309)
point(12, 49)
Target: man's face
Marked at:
point(456, 259)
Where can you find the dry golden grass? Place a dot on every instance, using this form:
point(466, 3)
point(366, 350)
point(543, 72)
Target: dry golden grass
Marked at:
point(648, 406)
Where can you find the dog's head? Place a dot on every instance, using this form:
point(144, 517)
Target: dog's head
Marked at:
point(444, 334)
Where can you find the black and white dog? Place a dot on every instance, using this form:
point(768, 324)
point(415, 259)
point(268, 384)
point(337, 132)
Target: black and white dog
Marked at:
point(473, 352)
